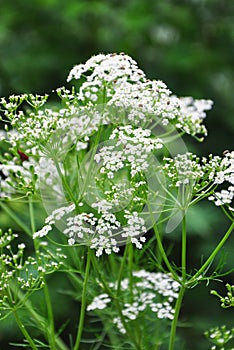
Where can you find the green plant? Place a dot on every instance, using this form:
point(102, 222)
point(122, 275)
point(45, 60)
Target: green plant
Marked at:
point(114, 176)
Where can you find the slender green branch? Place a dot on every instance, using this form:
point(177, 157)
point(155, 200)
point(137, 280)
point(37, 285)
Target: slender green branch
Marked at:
point(118, 292)
point(116, 300)
point(32, 216)
point(32, 222)
point(211, 257)
point(136, 333)
point(83, 302)
point(184, 243)
point(99, 274)
point(130, 335)
point(40, 320)
point(130, 269)
point(164, 255)
point(64, 182)
point(50, 330)
point(175, 319)
point(24, 330)
point(230, 216)
point(90, 166)
point(183, 285)
point(16, 218)
point(116, 297)
point(123, 264)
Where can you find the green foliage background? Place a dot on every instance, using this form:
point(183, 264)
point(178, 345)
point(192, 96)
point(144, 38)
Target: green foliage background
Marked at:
point(189, 44)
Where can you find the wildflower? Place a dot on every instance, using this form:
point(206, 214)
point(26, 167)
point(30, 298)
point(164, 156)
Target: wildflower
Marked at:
point(154, 291)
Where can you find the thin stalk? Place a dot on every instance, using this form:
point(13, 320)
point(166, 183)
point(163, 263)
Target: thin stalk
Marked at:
point(136, 332)
point(32, 222)
point(183, 253)
point(230, 217)
point(97, 271)
point(175, 319)
point(130, 334)
point(83, 302)
point(50, 330)
point(211, 257)
point(17, 219)
point(157, 250)
point(113, 264)
point(118, 292)
point(32, 216)
point(89, 170)
point(183, 286)
point(64, 182)
point(164, 255)
point(40, 320)
point(123, 262)
point(130, 268)
point(116, 296)
point(24, 330)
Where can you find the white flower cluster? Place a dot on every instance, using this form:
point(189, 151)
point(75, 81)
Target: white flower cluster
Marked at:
point(115, 79)
point(28, 272)
point(183, 169)
point(156, 291)
point(203, 175)
point(17, 178)
point(225, 174)
point(113, 90)
point(116, 110)
point(99, 302)
point(105, 69)
point(102, 233)
point(220, 336)
point(56, 215)
point(132, 148)
point(117, 197)
point(226, 171)
point(223, 197)
point(192, 113)
point(145, 102)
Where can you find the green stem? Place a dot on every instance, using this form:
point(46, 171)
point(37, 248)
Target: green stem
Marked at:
point(64, 182)
point(83, 302)
point(176, 316)
point(118, 292)
point(32, 217)
point(115, 297)
point(24, 330)
point(17, 220)
point(100, 276)
point(183, 286)
point(211, 257)
point(164, 255)
point(123, 263)
point(130, 334)
point(33, 225)
point(50, 330)
point(91, 165)
point(183, 253)
point(136, 330)
point(130, 269)
point(40, 320)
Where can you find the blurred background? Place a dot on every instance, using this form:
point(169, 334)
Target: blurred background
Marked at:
point(189, 44)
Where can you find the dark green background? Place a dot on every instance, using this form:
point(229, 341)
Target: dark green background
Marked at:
point(188, 44)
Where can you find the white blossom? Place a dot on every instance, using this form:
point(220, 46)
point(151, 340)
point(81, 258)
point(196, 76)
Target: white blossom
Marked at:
point(156, 291)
